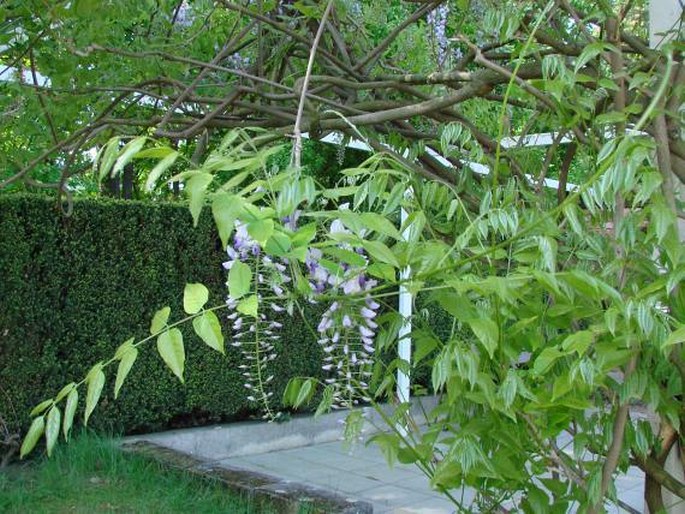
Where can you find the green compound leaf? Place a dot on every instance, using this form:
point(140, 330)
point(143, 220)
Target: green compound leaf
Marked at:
point(195, 297)
point(239, 280)
point(159, 320)
point(52, 428)
point(128, 357)
point(95, 381)
point(170, 347)
point(34, 433)
point(208, 328)
point(69, 411)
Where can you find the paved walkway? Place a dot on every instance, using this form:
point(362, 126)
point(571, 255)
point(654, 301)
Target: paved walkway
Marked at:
point(363, 473)
point(310, 451)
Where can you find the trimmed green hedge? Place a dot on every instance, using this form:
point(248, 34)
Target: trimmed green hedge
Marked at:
point(72, 289)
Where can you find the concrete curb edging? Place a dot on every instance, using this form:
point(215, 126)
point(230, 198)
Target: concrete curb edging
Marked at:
point(265, 492)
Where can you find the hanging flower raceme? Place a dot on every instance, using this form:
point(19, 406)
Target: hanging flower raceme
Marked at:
point(256, 335)
point(347, 327)
point(437, 20)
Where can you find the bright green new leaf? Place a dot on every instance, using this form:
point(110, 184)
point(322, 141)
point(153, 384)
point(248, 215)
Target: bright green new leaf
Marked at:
point(69, 412)
point(225, 209)
point(249, 306)
point(34, 433)
point(487, 332)
point(195, 297)
point(239, 279)
point(156, 172)
point(52, 428)
point(208, 328)
point(95, 381)
point(128, 357)
point(170, 347)
point(159, 320)
point(197, 188)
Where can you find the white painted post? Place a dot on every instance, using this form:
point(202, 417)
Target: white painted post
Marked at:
point(405, 310)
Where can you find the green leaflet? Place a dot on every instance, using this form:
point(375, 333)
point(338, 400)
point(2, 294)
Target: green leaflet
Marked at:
point(41, 407)
point(675, 337)
point(208, 328)
point(64, 391)
point(239, 280)
point(111, 151)
point(128, 357)
point(164, 164)
point(170, 347)
point(95, 381)
point(127, 153)
point(197, 188)
point(159, 320)
point(249, 306)
point(225, 209)
point(69, 411)
point(32, 436)
point(52, 428)
point(381, 252)
point(261, 230)
point(487, 333)
point(547, 357)
point(195, 297)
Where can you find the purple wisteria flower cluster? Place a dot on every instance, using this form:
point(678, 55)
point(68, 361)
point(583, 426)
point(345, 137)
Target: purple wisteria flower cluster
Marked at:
point(256, 337)
point(347, 327)
point(437, 19)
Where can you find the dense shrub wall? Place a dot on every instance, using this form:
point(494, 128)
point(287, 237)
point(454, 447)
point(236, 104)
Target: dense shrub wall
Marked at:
point(72, 289)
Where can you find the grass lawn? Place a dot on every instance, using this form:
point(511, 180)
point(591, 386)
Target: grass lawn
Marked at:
point(90, 475)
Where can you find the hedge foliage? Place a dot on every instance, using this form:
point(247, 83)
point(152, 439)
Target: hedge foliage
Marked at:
point(72, 289)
